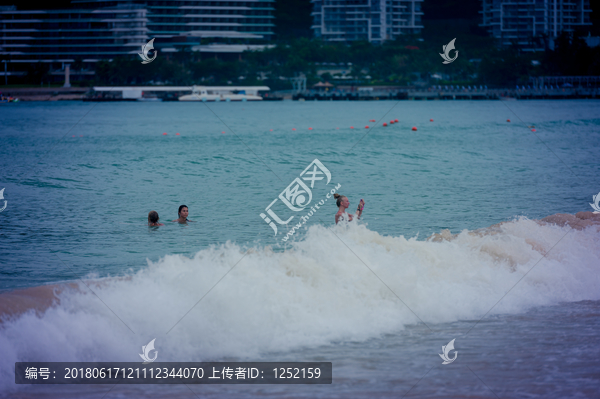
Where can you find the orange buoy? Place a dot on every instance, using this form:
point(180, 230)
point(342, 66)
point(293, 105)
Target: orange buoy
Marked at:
point(366, 127)
point(164, 134)
point(293, 128)
point(533, 130)
point(271, 130)
point(351, 127)
point(371, 120)
point(176, 134)
point(392, 122)
point(396, 120)
point(310, 128)
point(384, 124)
point(431, 120)
point(222, 132)
point(414, 128)
point(508, 120)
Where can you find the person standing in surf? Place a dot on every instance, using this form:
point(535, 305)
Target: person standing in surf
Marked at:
point(343, 203)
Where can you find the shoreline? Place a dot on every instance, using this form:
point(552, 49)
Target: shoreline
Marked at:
point(40, 298)
point(358, 93)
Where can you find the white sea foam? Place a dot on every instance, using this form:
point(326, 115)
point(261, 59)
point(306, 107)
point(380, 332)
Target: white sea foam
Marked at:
point(318, 292)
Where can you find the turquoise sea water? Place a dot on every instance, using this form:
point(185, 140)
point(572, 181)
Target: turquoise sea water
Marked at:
point(375, 298)
point(83, 201)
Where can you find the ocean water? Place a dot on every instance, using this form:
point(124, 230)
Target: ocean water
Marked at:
point(375, 298)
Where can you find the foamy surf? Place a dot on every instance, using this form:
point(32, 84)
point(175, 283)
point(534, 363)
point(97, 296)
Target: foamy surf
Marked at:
point(326, 288)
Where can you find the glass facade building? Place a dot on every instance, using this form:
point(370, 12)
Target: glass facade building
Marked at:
point(63, 35)
point(527, 22)
point(372, 20)
point(94, 30)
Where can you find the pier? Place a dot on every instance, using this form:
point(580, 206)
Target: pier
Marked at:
point(340, 93)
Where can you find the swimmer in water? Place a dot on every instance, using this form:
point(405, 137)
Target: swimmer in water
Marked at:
point(153, 219)
point(183, 214)
point(343, 203)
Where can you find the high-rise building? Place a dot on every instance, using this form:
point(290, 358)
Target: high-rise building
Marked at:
point(527, 22)
point(91, 30)
point(237, 19)
point(372, 20)
point(66, 35)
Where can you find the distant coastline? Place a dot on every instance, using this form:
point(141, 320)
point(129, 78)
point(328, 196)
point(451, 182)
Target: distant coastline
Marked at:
point(342, 93)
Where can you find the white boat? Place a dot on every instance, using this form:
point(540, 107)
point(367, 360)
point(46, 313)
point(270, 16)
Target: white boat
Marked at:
point(149, 97)
point(224, 93)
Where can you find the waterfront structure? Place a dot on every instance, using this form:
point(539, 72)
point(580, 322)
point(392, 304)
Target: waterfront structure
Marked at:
point(199, 93)
point(372, 20)
point(533, 24)
point(93, 30)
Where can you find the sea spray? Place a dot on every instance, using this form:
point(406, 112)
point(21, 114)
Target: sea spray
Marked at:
point(318, 291)
point(304, 219)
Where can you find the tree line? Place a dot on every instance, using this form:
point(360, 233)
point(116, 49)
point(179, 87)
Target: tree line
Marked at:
point(399, 62)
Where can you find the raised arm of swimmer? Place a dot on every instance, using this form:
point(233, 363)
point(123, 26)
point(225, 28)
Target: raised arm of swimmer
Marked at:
point(343, 203)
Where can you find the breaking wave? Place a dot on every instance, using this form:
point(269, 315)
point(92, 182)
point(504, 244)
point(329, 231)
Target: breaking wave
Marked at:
point(324, 289)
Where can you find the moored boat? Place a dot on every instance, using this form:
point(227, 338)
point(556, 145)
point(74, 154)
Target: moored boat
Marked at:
point(223, 93)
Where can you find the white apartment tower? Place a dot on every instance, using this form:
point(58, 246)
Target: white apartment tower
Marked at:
point(372, 20)
point(527, 21)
